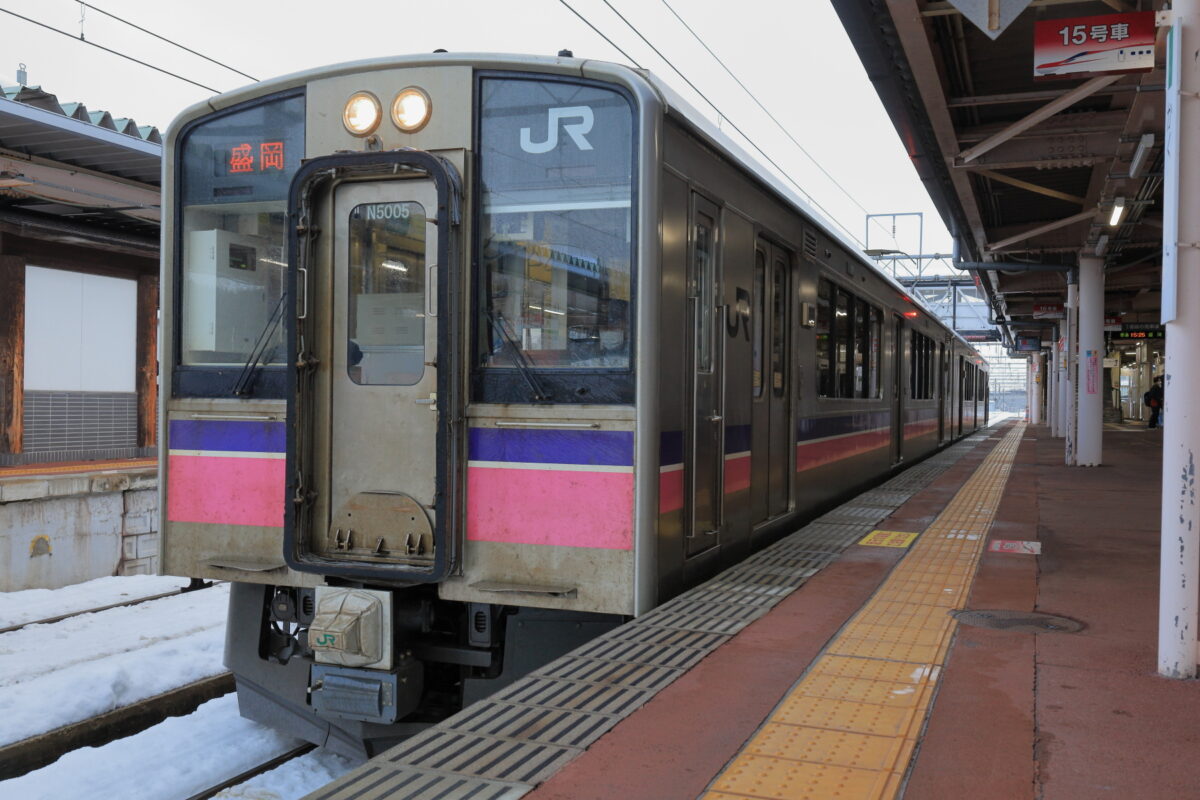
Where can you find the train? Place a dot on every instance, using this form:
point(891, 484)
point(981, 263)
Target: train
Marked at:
point(468, 359)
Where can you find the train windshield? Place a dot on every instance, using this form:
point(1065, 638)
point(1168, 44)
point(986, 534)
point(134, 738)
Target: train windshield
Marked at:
point(233, 187)
point(556, 232)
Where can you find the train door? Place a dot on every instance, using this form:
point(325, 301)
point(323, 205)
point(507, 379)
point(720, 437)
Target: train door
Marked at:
point(366, 339)
point(705, 457)
point(384, 356)
point(897, 390)
point(962, 388)
point(941, 384)
point(778, 390)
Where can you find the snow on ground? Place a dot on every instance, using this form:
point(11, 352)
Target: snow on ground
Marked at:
point(17, 608)
point(290, 781)
point(56, 674)
point(174, 759)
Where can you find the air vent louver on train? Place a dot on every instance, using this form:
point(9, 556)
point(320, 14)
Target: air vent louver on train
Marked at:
point(810, 245)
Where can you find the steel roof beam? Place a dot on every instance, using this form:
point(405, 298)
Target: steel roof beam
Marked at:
point(1050, 109)
point(1040, 229)
point(1031, 187)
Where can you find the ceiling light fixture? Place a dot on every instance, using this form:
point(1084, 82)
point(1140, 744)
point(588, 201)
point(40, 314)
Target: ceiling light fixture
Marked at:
point(1118, 211)
point(1139, 155)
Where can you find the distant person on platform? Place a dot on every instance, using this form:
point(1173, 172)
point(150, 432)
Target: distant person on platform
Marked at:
point(1154, 401)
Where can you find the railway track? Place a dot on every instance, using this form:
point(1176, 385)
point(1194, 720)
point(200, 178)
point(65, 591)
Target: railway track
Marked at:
point(242, 777)
point(18, 758)
point(197, 586)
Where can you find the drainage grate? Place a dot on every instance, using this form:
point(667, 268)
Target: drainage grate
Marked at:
point(535, 690)
point(416, 784)
point(610, 673)
point(677, 658)
point(527, 723)
point(1019, 621)
point(484, 757)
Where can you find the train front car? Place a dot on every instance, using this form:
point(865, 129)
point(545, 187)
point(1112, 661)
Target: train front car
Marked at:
point(399, 351)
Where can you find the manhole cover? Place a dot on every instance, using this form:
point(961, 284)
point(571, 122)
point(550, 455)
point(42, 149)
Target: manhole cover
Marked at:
point(1021, 621)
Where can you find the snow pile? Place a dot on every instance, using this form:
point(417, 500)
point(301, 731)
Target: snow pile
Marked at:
point(289, 781)
point(54, 675)
point(18, 608)
point(176, 758)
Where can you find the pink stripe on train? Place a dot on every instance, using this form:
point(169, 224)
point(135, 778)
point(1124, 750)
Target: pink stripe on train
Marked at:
point(566, 508)
point(226, 491)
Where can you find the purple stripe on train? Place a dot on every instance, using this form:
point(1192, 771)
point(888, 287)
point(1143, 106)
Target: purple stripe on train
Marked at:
point(245, 436)
point(544, 446)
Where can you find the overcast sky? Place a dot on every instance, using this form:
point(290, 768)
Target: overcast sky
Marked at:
point(793, 55)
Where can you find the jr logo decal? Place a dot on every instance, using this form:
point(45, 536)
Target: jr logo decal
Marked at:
point(326, 640)
point(575, 130)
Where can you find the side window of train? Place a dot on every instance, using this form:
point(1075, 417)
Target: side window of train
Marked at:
point(760, 312)
point(921, 367)
point(876, 322)
point(824, 339)
point(703, 289)
point(779, 329)
point(848, 336)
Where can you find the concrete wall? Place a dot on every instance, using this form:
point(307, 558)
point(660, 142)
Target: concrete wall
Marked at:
point(60, 530)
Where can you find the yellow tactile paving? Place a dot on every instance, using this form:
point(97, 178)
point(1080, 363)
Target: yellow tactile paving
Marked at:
point(839, 715)
point(849, 727)
point(761, 776)
point(839, 748)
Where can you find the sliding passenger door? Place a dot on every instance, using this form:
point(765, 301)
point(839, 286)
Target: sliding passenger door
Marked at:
point(705, 435)
point(941, 392)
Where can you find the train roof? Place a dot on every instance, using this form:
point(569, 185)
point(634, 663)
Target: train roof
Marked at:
point(584, 68)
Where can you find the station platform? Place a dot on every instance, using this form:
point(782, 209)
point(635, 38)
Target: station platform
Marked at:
point(853, 663)
point(78, 467)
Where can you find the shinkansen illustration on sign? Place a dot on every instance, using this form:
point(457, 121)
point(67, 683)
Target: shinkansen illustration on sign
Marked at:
point(509, 351)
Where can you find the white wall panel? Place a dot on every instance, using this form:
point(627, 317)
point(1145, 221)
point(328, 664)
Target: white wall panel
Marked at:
point(80, 332)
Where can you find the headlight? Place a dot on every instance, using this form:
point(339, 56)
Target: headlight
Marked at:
point(361, 114)
point(411, 109)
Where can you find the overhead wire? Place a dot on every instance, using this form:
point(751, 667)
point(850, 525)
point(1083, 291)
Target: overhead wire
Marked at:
point(600, 34)
point(766, 111)
point(109, 50)
point(733, 124)
point(164, 39)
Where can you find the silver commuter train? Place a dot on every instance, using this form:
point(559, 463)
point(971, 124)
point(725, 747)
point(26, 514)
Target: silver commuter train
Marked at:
point(556, 350)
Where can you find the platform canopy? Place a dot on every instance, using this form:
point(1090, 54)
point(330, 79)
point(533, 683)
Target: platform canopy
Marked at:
point(1026, 170)
point(77, 176)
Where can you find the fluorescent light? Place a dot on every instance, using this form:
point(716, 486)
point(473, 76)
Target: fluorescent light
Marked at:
point(1139, 155)
point(1118, 211)
point(396, 265)
point(1101, 243)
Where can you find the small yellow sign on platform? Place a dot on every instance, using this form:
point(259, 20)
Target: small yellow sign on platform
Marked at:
point(888, 539)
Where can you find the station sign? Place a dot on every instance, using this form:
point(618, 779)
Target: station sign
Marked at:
point(1028, 344)
point(1048, 311)
point(1140, 330)
point(1094, 45)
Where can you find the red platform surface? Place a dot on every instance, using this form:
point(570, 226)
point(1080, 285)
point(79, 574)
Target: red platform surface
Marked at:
point(1017, 715)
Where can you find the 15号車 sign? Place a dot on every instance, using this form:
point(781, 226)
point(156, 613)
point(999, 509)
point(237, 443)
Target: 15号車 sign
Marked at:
point(1083, 45)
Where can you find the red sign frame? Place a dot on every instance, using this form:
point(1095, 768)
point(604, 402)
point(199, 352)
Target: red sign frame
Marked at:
point(1094, 45)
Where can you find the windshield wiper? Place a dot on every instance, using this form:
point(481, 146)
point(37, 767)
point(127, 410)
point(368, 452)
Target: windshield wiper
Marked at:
point(517, 357)
point(244, 385)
